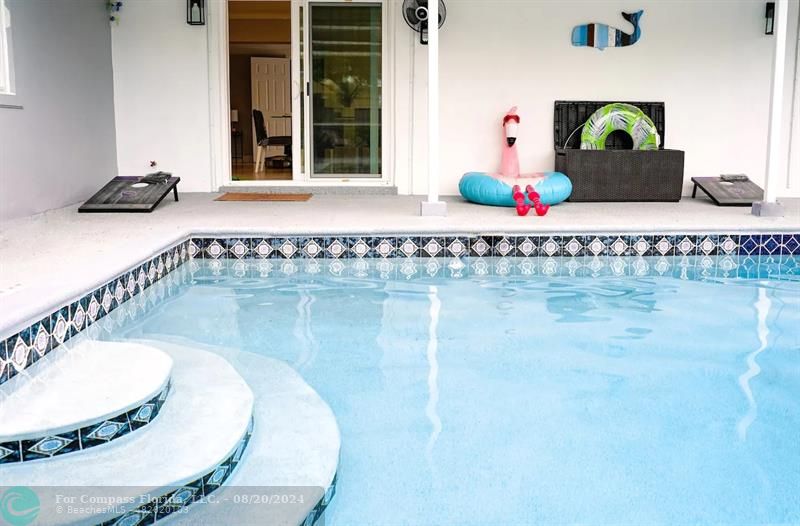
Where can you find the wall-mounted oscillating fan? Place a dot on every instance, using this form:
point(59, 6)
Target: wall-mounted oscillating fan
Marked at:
point(415, 13)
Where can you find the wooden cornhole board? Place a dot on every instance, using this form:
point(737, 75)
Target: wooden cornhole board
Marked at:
point(734, 193)
point(119, 195)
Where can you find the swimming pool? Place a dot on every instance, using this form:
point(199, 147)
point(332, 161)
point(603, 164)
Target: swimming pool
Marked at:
point(516, 390)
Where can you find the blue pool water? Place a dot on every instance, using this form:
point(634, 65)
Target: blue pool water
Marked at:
point(505, 391)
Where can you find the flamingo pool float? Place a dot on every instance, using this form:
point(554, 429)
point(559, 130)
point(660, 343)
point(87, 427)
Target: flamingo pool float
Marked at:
point(504, 188)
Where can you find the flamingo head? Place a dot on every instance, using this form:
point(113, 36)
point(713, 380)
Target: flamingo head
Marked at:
point(510, 125)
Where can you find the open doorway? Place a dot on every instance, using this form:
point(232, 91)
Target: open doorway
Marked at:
point(259, 47)
point(314, 71)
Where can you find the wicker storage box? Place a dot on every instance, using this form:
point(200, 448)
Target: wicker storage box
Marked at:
point(617, 173)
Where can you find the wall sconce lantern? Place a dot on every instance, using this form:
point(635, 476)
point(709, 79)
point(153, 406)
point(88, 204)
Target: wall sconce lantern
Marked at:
point(196, 12)
point(770, 29)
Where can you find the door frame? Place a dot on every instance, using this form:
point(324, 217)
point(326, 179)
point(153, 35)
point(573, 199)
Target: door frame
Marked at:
point(219, 100)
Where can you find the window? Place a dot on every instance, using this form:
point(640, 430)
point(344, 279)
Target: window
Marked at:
point(6, 58)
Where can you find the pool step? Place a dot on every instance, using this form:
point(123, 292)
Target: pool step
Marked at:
point(96, 392)
point(294, 454)
point(188, 451)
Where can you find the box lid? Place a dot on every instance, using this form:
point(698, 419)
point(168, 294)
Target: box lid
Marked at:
point(570, 115)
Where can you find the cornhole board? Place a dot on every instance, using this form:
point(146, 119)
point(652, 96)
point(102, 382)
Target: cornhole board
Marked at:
point(722, 193)
point(119, 195)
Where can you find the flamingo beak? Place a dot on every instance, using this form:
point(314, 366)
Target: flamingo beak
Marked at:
point(511, 133)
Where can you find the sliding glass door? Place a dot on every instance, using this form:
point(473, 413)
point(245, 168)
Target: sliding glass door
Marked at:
point(344, 83)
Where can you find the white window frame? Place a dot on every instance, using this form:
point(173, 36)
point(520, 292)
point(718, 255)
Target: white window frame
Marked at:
point(6, 61)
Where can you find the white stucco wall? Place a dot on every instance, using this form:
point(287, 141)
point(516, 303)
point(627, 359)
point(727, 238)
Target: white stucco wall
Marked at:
point(708, 60)
point(161, 92)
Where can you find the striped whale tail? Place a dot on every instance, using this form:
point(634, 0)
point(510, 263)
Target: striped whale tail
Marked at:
point(601, 36)
point(633, 18)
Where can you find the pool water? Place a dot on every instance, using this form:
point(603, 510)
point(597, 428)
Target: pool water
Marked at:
point(505, 391)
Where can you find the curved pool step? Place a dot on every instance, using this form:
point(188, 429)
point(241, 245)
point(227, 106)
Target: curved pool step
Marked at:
point(188, 451)
point(294, 454)
point(99, 392)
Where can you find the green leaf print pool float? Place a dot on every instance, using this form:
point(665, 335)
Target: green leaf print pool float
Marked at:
point(623, 117)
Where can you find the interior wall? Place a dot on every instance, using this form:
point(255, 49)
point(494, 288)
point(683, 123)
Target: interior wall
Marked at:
point(60, 148)
point(260, 31)
point(259, 21)
point(710, 62)
point(241, 100)
point(161, 92)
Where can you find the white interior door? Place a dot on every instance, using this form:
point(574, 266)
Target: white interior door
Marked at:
point(271, 93)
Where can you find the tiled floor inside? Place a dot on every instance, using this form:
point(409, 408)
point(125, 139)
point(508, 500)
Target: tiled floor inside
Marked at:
point(47, 259)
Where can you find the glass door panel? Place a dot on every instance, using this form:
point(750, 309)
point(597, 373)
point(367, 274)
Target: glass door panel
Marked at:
point(345, 76)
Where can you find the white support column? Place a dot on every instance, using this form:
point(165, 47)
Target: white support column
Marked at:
point(432, 206)
point(775, 159)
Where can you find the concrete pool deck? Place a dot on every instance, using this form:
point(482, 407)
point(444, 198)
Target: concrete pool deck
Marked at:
point(51, 258)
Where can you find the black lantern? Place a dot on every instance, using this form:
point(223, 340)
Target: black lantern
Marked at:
point(196, 12)
point(770, 29)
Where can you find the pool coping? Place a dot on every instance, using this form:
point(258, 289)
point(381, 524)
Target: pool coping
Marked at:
point(28, 334)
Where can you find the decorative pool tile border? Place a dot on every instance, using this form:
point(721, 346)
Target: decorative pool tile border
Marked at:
point(387, 246)
point(171, 502)
point(85, 437)
point(20, 351)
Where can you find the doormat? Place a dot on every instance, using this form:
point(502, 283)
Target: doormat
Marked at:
point(253, 196)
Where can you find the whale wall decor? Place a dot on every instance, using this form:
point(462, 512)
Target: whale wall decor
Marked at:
point(601, 36)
